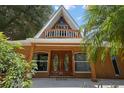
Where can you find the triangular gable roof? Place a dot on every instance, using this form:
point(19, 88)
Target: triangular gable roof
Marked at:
point(55, 17)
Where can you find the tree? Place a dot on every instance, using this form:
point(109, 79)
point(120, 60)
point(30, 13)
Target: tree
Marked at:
point(15, 71)
point(20, 22)
point(105, 27)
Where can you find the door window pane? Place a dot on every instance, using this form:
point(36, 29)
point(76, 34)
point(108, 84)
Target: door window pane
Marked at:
point(55, 62)
point(66, 62)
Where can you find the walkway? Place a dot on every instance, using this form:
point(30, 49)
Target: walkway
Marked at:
point(75, 82)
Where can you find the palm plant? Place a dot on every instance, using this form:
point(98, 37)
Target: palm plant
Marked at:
point(105, 30)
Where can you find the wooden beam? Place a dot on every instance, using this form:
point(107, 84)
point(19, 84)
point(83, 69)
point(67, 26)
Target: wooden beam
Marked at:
point(49, 60)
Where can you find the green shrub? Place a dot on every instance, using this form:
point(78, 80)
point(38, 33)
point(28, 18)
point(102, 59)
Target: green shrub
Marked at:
point(17, 72)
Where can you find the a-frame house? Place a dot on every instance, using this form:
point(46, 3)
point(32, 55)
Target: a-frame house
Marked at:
point(57, 52)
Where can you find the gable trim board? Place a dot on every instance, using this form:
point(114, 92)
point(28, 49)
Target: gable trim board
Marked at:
point(50, 41)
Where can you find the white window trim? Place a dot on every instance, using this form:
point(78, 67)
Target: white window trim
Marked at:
point(82, 71)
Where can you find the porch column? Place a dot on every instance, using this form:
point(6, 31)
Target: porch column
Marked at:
point(93, 72)
point(31, 52)
point(49, 57)
point(73, 63)
point(28, 72)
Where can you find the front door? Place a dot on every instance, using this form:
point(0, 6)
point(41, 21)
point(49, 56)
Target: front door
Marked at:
point(61, 63)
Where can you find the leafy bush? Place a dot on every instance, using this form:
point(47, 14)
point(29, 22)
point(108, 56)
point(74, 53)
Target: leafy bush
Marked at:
point(15, 71)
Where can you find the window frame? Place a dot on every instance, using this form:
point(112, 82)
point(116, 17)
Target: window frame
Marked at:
point(44, 61)
point(80, 62)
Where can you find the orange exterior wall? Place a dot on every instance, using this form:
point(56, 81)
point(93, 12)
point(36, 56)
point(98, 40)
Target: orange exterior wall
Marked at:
point(25, 51)
point(102, 70)
point(121, 64)
point(106, 69)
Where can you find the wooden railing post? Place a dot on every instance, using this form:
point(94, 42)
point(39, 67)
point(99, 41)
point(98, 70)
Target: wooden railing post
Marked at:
point(68, 33)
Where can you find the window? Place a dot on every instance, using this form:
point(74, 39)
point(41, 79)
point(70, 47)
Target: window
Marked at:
point(61, 21)
point(41, 59)
point(61, 24)
point(81, 62)
point(114, 62)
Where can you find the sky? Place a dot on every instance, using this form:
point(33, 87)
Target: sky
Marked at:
point(76, 11)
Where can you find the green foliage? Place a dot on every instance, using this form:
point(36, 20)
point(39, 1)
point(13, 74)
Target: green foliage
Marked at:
point(20, 22)
point(108, 25)
point(17, 72)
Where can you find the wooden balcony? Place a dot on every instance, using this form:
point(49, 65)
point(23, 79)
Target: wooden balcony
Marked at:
point(61, 33)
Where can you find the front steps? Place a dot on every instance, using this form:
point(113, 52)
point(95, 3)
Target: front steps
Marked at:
point(61, 77)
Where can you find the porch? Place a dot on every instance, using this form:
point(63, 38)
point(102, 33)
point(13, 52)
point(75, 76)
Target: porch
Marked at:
point(62, 63)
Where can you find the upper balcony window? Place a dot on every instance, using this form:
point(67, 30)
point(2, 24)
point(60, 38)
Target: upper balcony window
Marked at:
point(61, 24)
point(61, 29)
point(61, 21)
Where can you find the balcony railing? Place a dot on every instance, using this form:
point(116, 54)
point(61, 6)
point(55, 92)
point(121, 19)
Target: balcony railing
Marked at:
point(61, 33)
